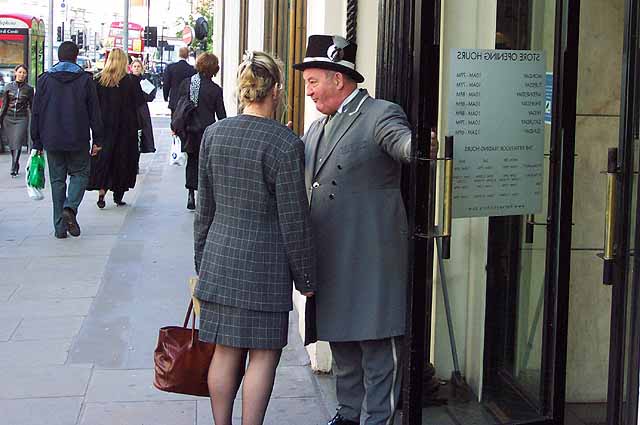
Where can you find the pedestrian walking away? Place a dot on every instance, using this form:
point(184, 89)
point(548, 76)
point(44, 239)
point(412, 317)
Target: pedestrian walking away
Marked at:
point(207, 98)
point(65, 116)
point(252, 238)
point(145, 134)
point(15, 115)
point(115, 168)
point(173, 77)
point(354, 156)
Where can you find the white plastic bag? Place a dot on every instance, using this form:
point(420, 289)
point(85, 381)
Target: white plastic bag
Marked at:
point(34, 193)
point(176, 156)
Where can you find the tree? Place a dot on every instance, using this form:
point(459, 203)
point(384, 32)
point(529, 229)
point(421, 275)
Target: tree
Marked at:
point(206, 11)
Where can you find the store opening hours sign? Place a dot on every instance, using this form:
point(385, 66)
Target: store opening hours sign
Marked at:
point(496, 115)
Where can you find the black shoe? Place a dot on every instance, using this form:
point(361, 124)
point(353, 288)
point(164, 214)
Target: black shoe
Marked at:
point(61, 235)
point(191, 200)
point(339, 420)
point(117, 199)
point(101, 204)
point(69, 218)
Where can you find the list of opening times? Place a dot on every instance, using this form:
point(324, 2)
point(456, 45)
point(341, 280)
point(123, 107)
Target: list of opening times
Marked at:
point(496, 115)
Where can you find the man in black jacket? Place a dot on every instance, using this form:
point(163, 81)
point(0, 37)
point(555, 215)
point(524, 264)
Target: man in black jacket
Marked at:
point(174, 75)
point(65, 108)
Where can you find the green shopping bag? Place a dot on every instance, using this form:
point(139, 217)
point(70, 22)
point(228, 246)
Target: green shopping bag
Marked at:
point(36, 172)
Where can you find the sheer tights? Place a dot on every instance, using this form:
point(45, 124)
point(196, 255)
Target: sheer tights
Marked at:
point(225, 375)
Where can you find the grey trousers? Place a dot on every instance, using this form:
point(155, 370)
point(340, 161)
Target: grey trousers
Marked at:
point(368, 372)
point(77, 165)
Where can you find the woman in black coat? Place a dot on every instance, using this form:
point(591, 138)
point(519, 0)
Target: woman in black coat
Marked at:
point(115, 168)
point(207, 96)
point(14, 115)
point(147, 144)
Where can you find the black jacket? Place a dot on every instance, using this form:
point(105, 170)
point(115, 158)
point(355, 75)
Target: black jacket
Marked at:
point(173, 76)
point(210, 106)
point(65, 107)
point(16, 99)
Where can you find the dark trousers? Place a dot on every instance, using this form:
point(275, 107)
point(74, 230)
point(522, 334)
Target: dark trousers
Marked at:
point(76, 165)
point(368, 372)
point(191, 171)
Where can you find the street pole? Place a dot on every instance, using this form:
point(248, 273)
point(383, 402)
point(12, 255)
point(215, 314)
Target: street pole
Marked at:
point(50, 33)
point(125, 29)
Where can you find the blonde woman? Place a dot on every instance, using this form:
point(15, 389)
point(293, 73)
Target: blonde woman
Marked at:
point(115, 168)
point(252, 234)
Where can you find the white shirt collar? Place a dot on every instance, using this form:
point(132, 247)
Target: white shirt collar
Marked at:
point(348, 99)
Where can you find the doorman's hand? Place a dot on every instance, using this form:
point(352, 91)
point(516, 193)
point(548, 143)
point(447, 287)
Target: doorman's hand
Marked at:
point(308, 294)
point(95, 149)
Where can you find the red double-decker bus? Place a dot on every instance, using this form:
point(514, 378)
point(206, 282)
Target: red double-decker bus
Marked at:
point(21, 42)
point(136, 38)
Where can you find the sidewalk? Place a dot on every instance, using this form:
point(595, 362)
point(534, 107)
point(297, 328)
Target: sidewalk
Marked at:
point(79, 317)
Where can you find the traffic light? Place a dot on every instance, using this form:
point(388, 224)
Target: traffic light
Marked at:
point(151, 36)
point(74, 38)
point(80, 39)
point(59, 34)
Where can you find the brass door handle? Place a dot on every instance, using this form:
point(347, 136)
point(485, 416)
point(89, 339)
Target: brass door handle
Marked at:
point(610, 217)
point(447, 202)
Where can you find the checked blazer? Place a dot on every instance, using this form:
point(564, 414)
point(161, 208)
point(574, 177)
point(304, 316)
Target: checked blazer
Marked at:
point(252, 227)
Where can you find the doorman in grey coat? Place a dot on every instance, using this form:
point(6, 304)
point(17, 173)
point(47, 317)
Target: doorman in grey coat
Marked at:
point(353, 170)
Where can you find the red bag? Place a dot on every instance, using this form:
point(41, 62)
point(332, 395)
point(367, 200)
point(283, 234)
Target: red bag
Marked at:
point(182, 360)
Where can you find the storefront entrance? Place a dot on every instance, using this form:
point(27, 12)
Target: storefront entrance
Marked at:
point(540, 322)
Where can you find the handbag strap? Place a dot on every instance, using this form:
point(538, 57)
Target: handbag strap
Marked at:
point(186, 318)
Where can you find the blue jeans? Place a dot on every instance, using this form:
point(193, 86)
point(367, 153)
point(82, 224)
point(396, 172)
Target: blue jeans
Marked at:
point(75, 164)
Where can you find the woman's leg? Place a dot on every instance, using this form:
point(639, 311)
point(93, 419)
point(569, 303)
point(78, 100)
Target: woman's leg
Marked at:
point(258, 384)
point(17, 160)
point(14, 155)
point(225, 374)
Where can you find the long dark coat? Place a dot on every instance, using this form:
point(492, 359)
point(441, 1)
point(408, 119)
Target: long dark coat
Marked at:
point(359, 221)
point(147, 143)
point(116, 166)
point(210, 106)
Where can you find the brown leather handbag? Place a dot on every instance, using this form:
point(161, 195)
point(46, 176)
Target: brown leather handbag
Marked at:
point(182, 360)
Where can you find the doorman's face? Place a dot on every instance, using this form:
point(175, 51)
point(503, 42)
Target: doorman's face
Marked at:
point(323, 88)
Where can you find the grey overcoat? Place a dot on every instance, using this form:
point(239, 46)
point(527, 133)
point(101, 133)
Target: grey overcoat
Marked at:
point(359, 221)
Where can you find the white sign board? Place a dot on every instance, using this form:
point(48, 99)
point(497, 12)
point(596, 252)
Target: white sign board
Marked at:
point(496, 115)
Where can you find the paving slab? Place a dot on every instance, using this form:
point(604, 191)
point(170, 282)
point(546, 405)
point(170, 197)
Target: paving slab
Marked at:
point(45, 308)
point(40, 411)
point(7, 290)
point(43, 381)
point(51, 328)
point(62, 290)
point(288, 411)
point(8, 326)
point(126, 386)
point(140, 413)
point(70, 247)
point(34, 353)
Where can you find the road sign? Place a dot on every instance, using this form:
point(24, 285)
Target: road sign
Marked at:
point(187, 35)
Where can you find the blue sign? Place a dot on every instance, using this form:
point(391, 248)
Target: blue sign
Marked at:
point(548, 97)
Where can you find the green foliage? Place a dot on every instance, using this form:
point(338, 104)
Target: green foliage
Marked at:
point(206, 11)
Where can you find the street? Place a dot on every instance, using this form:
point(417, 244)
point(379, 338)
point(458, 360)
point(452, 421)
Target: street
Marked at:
point(79, 317)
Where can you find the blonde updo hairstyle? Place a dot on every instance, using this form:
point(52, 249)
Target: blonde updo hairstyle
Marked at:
point(257, 75)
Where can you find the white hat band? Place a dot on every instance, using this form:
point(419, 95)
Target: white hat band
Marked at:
point(344, 63)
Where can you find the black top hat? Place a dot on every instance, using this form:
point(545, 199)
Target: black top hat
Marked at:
point(331, 52)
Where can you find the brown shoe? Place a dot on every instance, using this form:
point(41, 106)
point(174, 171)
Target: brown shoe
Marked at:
point(69, 218)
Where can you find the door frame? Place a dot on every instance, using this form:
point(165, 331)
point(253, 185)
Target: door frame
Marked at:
point(412, 27)
point(624, 308)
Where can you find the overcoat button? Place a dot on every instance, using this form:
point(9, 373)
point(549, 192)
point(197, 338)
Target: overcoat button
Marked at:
point(334, 183)
point(339, 167)
point(316, 185)
point(332, 196)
